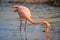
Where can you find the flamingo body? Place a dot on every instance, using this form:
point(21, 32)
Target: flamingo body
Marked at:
point(23, 12)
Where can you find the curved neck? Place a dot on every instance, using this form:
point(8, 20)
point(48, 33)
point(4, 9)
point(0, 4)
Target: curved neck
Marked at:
point(40, 22)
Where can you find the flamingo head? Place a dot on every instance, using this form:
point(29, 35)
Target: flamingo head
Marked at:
point(15, 6)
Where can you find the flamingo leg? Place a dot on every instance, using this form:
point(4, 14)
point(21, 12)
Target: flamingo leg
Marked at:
point(25, 25)
point(25, 29)
point(20, 24)
point(20, 27)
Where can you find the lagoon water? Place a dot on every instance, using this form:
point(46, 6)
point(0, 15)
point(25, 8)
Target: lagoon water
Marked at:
point(10, 23)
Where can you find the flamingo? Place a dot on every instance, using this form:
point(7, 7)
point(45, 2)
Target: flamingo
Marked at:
point(24, 13)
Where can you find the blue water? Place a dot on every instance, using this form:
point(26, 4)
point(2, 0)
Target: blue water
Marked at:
point(9, 23)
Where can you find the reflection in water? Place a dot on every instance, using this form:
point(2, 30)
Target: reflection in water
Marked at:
point(59, 35)
point(47, 36)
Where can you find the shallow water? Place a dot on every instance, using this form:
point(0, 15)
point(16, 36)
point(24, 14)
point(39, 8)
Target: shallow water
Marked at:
point(9, 23)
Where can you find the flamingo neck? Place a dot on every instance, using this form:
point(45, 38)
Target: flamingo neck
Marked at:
point(33, 22)
point(40, 22)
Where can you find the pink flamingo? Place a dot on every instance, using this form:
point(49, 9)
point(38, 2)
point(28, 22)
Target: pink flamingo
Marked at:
point(24, 13)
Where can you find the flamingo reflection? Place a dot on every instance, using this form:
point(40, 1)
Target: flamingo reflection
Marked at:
point(47, 36)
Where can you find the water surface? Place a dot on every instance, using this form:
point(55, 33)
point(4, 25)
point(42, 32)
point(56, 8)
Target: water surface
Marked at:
point(9, 23)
